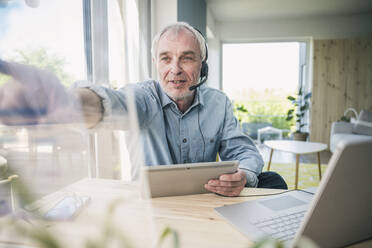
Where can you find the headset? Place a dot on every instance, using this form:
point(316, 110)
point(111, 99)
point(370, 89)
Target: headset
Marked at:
point(204, 68)
point(203, 78)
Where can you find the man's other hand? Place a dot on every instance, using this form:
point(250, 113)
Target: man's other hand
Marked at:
point(228, 184)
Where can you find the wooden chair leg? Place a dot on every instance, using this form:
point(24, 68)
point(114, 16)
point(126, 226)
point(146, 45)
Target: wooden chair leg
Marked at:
point(319, 167)
point(271, 156)
point(297, 166)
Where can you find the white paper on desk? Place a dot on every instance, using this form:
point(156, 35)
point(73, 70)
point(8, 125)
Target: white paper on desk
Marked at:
point(67, 208)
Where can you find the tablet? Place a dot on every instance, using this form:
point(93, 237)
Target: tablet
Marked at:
point(185, 179)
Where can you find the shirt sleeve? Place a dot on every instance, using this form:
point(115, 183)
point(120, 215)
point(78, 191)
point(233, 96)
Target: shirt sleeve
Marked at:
point(116, 104)
point(235, 145)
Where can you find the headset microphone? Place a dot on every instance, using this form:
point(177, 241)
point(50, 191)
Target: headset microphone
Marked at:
point(198, 85)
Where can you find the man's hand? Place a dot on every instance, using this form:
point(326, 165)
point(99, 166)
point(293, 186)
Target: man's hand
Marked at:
point(34, 96)
point(228, 184)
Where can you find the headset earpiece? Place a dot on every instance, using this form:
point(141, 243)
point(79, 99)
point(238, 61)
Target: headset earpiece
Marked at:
point(204, 71)
point(204, 67)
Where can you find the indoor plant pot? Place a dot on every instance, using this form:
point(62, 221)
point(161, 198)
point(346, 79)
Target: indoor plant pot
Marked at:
point(301, 105)
point(300, 136)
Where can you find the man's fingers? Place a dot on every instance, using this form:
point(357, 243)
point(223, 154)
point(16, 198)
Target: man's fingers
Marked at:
point(237, 176)
point(226, 191)
point(35, 96)
point(228, 184)
point(216, 182)
point(222, 188)
point(4, 68)
point(25, 74)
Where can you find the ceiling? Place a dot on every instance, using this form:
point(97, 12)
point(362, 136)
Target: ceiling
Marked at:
point(247, 10)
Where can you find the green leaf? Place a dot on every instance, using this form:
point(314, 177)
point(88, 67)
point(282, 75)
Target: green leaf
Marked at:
point(241, 108)
point(307, 96)
point(268, 242)
point(165, 233)
point(304, 107)
point(169, 231)
point(290, 111)
point(291, 98)
point(176, 240)
point(44, 238)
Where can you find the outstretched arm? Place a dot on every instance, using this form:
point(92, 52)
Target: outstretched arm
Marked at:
point(35, 96)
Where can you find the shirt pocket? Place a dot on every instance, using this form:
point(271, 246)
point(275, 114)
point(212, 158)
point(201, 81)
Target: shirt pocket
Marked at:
point(205, 148)
point(212, 144)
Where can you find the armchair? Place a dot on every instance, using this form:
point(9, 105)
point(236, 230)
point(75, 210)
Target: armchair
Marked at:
point(356, 130)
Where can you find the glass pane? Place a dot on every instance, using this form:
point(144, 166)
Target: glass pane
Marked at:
point(49, 36)
point(116, 45)
point(54, 158)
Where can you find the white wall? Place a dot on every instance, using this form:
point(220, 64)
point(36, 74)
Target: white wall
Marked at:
point(163, 13)
point(333, 27)
point(214, 53)
point(299, 29)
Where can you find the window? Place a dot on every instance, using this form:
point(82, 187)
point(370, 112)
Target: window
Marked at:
point(47, 37)
point(260, 77)
point(116, 45)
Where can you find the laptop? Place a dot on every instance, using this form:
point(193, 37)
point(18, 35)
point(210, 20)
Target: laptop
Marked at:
point(337, 215)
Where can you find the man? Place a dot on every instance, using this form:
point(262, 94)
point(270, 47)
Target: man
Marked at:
point(180, 124)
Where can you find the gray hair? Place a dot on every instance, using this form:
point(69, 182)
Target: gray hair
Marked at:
point(176, 27)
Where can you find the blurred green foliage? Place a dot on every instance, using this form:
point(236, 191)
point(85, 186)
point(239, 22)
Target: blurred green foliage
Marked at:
point(266, 106)
point(300, 106)
point(4, 79)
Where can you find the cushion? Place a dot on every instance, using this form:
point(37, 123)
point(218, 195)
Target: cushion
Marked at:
point(346, 137)
point(364, 123)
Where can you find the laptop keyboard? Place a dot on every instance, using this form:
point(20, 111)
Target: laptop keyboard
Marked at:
point(282, 227)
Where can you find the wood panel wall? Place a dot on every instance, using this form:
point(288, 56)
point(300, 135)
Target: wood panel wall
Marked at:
point(342, 78)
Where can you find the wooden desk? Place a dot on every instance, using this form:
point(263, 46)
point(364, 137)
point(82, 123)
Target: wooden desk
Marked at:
point(192, 216)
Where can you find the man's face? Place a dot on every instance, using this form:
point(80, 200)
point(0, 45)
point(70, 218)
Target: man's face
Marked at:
point(178, 62)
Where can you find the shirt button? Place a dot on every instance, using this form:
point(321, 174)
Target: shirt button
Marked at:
point(184, 140)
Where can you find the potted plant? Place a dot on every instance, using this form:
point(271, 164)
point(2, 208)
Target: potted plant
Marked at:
point(301, 104)
point(346, 118)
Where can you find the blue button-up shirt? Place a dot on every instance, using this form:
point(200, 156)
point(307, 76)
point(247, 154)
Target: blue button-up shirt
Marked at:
point(169, 136)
